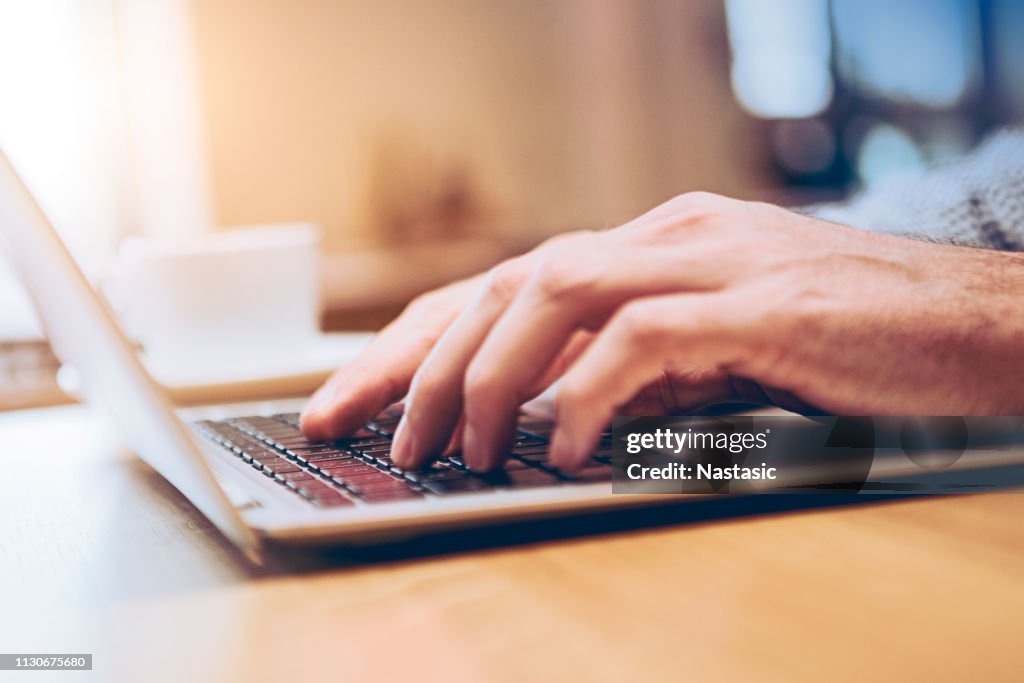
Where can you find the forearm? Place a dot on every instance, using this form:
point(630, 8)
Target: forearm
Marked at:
point(978, 331)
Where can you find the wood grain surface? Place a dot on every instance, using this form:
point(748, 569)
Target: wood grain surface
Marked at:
point(99, 555)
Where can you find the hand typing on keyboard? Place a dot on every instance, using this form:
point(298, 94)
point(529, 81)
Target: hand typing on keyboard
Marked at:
point(702, 300)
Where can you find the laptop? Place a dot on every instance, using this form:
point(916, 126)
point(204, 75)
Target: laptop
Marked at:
point(249, 468)
point(251, 471)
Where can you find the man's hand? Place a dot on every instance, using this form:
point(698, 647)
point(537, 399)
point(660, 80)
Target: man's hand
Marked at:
point(702, 300)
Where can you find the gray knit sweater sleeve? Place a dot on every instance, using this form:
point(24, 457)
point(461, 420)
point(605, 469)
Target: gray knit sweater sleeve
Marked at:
point(977, 200)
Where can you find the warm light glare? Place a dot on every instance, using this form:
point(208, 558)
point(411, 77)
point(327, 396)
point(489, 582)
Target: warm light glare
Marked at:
point(59, 120)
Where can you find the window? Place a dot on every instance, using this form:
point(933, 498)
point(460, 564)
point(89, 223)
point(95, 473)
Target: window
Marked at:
point(98, 111)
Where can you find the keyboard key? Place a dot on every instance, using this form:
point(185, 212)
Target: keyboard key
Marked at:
point(311, 450)
point(524, 478)
point(264, 454)
point(455, 461)
point(332, 500)
point(313, 489)
point(374, 487)
point(280, 466)
point(391, 495)
point(350, 470)
point(359, 445)
point(375, 450)
point(242, 454)
point(385, 426)
point(364, 477)
point(301, 475)
point(322, 467)
point(319, 467)
point(442, 487)
point(279, 433)
point(299, 446)
point(436, 473)
point(356, 465)
point(330, 456)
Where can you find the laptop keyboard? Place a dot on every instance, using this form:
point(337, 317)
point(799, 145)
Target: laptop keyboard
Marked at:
point(359, 469)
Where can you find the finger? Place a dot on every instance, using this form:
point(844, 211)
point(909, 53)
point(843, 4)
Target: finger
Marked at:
point(455, 442)
point(357, 393)
point(380, 376)
point(435, 397)
point(563, 294)
point(434, 403)
point(576, 345)
point(644, 337)
point(493, 391)
point(568, 355)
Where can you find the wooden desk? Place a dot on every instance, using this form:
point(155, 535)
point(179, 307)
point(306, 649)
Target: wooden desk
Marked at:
point(99, 556)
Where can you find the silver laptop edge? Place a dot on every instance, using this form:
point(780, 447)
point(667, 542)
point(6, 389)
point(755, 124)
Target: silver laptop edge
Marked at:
point(83, 334)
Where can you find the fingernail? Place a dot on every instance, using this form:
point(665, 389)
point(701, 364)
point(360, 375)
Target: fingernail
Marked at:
point(401, 449)
point(473, 450)
point(561, 452)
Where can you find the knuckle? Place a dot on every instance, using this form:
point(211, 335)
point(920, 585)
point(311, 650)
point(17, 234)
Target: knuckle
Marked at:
point(697, 205)
point(686, 212)
point(420, 339)
point(427, 302)
point(421, 317)
point(559, 278)
point(639, 323)
point(563, 239)
point(504, 280)
point(694, 199)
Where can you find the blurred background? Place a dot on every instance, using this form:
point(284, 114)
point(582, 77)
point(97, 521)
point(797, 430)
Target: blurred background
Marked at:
point(428, 140)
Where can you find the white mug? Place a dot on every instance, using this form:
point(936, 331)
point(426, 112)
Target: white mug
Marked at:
point(224, 297)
